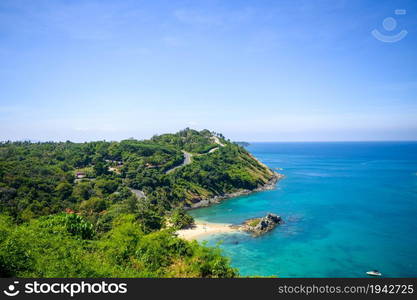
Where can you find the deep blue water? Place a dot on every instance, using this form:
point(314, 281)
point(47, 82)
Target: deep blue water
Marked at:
point(348, 208)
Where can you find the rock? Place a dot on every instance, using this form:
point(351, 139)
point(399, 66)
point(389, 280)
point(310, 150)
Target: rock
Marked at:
point(260, 226)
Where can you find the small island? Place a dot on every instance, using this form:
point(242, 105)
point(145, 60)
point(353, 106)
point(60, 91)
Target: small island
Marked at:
point(260, 226)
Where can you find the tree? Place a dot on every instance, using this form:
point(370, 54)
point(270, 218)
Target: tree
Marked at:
point(93, 205)
point(100, 168)
point(64, 190)
point(180, 219)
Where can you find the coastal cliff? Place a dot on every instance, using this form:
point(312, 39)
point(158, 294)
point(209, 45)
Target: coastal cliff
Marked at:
point(217, 169)
point(269, 185)
point(266, 177)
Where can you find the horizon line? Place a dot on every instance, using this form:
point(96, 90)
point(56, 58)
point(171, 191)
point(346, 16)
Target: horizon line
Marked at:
point(338, 141)
point(236, 141)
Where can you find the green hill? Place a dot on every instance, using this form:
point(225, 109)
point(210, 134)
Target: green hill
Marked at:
point(129, 190)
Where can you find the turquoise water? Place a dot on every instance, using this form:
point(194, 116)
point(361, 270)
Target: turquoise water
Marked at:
point(348, 208)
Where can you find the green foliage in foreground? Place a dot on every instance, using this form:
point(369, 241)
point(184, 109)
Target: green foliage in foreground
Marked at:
point(61, 246)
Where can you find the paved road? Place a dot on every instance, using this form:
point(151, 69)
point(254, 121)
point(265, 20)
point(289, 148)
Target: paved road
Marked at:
point(187, 160)
point(214, 149)
point(187, 156)
point(217, 141)
point(138, 193)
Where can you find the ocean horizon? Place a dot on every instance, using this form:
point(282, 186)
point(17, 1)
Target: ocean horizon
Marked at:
point(348, 207)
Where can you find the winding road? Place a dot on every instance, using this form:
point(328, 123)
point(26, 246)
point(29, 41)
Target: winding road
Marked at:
point(187, 160)
point(217, 141)
point(138, 193)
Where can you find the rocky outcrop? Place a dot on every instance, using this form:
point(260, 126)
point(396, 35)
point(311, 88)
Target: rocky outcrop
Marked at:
point(260, 226)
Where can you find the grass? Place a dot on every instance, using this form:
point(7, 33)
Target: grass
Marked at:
point(84, 170)
point(254, 222)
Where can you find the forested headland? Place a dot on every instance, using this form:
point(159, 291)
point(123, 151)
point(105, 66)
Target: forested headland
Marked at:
point(111, 209)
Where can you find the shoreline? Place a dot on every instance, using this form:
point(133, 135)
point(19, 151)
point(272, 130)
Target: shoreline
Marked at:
point(217, 199)
point(200, 229)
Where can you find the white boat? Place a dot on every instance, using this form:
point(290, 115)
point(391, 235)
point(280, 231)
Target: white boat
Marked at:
point(373, 273)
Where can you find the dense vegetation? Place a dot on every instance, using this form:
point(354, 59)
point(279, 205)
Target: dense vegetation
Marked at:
point(70, 209)
point(64, 245)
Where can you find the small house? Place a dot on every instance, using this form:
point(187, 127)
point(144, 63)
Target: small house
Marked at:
point(80, 175)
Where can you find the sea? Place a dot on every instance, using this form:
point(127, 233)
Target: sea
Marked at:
point(348, 208)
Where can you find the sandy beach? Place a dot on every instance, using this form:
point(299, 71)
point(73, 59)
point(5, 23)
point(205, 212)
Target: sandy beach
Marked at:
point(201, 229)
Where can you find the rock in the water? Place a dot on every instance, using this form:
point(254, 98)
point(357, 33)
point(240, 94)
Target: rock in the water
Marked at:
point(259, 226)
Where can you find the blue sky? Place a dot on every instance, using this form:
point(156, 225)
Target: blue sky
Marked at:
point(253, 70)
